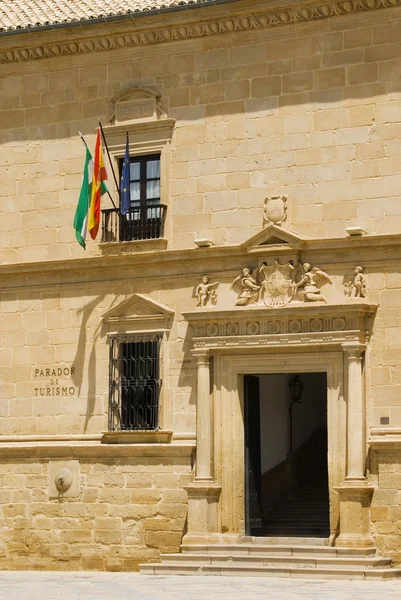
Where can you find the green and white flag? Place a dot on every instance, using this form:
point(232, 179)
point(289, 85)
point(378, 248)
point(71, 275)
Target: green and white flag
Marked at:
point(81, 214)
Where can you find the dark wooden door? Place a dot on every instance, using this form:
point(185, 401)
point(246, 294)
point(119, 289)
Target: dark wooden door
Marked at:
point(253, 476)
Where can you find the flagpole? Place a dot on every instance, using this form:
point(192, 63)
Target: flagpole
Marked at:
point(111, 164)
point(86, 146)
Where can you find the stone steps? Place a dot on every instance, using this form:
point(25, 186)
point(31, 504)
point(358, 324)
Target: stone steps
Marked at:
point(274, 560)
point(189, 568)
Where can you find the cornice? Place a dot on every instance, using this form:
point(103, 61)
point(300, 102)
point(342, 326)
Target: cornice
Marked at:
point(128, 256)
point(355, 307)
point(385, 438)
point(273, 16)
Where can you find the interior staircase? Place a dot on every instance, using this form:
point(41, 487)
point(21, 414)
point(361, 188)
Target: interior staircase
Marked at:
point(275, 557)
point(305, 514)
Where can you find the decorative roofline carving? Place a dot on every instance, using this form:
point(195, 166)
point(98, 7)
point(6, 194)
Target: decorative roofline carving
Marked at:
point(274, 17)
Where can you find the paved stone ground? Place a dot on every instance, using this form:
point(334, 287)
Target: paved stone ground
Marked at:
point(132, 586)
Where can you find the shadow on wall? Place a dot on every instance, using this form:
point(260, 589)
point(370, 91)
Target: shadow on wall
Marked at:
point(80, 354)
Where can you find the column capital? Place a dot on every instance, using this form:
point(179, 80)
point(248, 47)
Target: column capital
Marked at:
point(202, 355)
point(353, 349)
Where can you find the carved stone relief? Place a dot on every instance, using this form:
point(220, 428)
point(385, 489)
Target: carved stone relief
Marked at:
point(247, 287)
point(283, 330)
point(268, 18)
point(135, 104)
point(206, 292)
point(275, 210)
point(356, 287)
point(309, 285)
point(275, 286)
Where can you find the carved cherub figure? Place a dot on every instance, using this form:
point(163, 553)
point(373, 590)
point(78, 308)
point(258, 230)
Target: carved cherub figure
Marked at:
point(206, 291)
point(357, 287)
point(308, 286)
point(247, 288)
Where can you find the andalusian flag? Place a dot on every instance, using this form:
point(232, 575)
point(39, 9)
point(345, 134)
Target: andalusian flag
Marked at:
point(98, 188)
point(81, 214)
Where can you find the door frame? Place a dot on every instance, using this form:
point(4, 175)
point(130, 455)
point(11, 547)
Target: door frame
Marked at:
point(229, 438)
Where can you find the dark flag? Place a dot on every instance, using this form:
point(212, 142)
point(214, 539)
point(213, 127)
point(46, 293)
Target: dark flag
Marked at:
point(125, 196)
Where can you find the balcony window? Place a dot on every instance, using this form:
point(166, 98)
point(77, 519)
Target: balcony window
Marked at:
point(145, 219)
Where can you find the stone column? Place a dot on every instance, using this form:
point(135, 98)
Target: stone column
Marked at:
point(356, 415)
point(203, 492)
point(355, 493)
point(204, 437)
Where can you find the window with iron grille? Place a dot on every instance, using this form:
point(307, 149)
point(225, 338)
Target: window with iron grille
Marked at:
point(135, 382)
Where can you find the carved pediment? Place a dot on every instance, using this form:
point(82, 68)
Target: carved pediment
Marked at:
point(275, 237)
point(140, 311)
point(135, 104)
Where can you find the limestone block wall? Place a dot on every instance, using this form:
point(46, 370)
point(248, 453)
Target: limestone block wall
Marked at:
point(46, 327)
point(308, 110)
point(383, 377)
point(128, 510)
point(386, 502)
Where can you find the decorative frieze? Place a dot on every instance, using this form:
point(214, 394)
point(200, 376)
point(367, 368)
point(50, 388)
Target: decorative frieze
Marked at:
point(306, 324)
point(274, 17)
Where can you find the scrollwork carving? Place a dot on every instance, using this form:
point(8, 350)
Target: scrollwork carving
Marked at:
point(273, 18)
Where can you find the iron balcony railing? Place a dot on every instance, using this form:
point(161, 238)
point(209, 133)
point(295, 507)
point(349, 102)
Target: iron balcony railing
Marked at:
point(140, 223)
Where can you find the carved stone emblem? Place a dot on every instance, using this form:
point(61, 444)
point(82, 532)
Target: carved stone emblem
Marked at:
point(273, 327)
point(275, 210)
point(294, 326)
point(232, 328)
point(316, 325)
point(252, 328)
point(338, 324)
point(276, 284)
point(356, 288)
point(212, 329)
point(63, 480)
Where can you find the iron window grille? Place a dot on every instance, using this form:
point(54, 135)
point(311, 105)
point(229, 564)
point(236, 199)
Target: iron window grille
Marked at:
point(146, 216)
point(134, 382)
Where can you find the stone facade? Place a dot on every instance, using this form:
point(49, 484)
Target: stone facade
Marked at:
point(249, 104)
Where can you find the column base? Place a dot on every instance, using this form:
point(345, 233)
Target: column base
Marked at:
point(355, 499)
point(203, 498)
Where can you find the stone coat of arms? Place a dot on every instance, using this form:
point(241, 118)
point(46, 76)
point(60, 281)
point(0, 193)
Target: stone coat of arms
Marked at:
point(277, 287)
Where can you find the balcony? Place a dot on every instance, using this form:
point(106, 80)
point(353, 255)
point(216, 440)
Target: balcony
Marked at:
point(140, 223)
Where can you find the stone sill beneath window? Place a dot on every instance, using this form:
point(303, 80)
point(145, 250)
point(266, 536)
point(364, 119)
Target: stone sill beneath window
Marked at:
point(121, 248)
point(137, 437)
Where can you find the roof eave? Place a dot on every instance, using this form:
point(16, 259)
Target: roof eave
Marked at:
point(112, 18)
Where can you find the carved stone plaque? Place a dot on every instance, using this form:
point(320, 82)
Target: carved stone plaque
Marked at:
point(133, 110)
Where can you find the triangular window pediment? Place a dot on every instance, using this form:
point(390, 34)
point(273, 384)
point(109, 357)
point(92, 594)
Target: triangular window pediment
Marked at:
point(140, 310)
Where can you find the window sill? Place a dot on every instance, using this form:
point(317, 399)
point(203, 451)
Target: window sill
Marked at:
point(120, 248)
point(137, 437)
